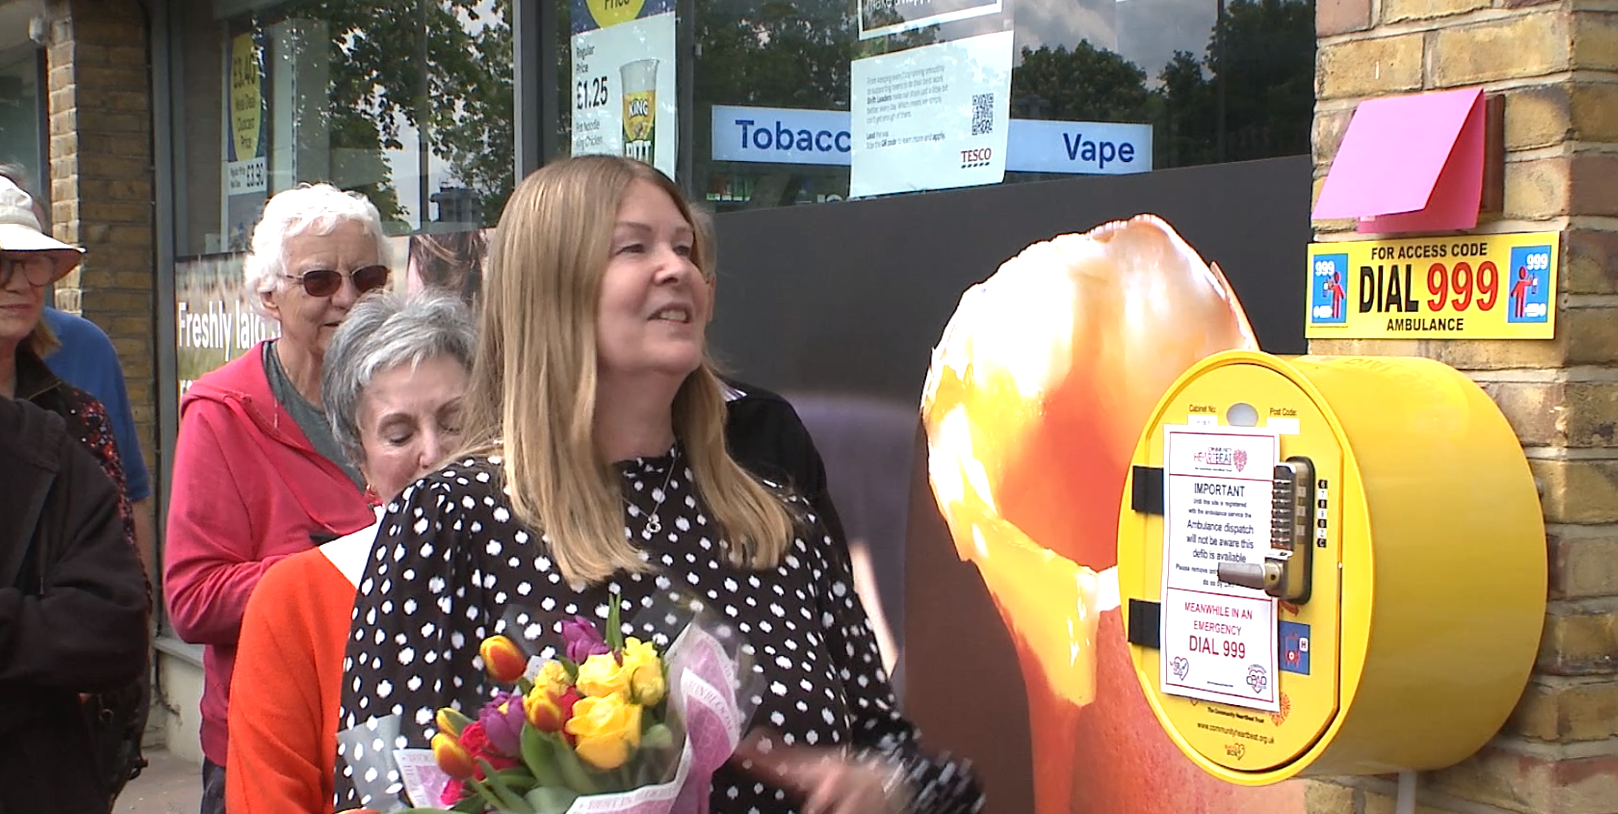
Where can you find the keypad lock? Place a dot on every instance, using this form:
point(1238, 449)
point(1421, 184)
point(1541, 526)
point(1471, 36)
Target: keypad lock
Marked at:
point(1286, 571)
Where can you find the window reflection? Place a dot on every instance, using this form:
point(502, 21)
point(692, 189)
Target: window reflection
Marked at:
point(21, 111)
point(770, 55)
point(1239, 90)
point(410, 103)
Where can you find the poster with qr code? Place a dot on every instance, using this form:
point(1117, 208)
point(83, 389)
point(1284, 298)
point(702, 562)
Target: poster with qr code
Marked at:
point(935, 117)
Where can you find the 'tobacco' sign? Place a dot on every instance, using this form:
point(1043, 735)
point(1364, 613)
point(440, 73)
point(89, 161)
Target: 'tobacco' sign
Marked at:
point(776, 135)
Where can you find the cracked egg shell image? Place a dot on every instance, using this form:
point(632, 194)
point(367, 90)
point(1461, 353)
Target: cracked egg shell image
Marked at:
point(1037, 393)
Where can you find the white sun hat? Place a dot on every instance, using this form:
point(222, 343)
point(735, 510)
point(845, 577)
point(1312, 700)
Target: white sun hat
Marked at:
point(20, 231)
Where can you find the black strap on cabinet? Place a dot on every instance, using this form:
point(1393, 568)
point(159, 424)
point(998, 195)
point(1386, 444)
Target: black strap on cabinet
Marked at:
point(1146, 496)
point(1145, 623)
point(1146, 489)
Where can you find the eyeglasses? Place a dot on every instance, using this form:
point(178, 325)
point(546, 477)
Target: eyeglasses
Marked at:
point(325, 282)
point(36, 267)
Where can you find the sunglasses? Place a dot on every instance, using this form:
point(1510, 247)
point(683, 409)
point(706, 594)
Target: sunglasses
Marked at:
point(325, 282)
point(37, 269)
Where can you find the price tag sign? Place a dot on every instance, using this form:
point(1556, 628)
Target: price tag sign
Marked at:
point(625, 99)
point(591, 92)
point(1218, 639)
point(1465, 287)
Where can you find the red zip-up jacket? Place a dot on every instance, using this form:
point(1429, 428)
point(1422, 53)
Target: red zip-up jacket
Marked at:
point(249, 490)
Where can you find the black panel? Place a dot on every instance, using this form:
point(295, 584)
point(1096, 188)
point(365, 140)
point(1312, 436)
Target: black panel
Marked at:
point(1145, 623)
point(1146, 489)
point(852, 296)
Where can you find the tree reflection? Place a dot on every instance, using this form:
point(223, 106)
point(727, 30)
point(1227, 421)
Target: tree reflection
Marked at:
point(786, 54)
point(780, 53)
point(1267, 65)
point(442, 68)
point(1082, 84)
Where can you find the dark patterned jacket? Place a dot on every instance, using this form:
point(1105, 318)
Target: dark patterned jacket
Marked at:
point(73, 614)
point(118, 715)
point(87, 423)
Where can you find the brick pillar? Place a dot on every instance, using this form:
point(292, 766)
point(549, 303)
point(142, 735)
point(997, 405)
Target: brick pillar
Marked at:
point(1557, 65)
point(101, 182)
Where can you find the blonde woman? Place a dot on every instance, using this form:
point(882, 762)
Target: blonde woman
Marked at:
point(598, 465)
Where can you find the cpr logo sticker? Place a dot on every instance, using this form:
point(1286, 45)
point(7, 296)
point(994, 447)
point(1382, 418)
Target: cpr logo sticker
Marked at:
point(1258, 678)
point(1239, 458)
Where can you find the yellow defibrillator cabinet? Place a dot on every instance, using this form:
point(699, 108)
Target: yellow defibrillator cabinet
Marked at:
point(1330, 566)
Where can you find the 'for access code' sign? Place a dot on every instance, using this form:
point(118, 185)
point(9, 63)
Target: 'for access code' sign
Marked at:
point(1466, 287)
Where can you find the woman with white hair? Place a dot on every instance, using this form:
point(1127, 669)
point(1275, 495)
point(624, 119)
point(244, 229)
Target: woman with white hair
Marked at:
point(395, 375)
point(258, 476)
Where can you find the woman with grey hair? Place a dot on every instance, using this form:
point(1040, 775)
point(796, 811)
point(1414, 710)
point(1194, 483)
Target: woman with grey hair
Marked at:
point(258, 475)
point(395, 373)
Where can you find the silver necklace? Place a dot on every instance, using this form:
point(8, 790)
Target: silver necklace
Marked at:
point(654, 525)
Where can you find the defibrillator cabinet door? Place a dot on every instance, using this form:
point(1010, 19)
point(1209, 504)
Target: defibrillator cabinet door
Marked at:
point(1237, 568)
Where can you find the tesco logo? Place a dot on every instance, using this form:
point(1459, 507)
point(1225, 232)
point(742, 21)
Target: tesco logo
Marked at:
point(978, 157)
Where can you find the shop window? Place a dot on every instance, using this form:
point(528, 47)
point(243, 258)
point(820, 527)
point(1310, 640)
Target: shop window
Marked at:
point(22, 111)
point(410, 103)
point(1202, 81)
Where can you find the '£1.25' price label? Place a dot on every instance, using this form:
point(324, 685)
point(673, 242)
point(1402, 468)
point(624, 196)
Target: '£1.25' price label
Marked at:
point(1474, 287)
point(590, 93)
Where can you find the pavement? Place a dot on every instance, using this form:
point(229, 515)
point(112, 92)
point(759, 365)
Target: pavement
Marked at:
point(170, 785)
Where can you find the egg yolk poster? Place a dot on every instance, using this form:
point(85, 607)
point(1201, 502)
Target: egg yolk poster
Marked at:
point(1035, 397)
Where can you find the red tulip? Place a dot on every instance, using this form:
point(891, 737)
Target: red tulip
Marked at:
point(451, 721)
point(548, 712)
point(503, 661)
point(453, 758)
point(453, 791)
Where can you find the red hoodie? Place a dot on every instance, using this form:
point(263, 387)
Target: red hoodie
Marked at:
point(248, 491)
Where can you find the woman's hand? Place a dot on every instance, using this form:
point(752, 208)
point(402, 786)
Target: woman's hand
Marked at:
point(827, 780)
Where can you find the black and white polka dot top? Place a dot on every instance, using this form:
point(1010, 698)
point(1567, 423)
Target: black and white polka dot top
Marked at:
point(451, 562)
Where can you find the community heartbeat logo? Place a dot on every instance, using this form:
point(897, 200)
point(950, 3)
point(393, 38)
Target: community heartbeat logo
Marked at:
point(1223, 456)
point(1181, 667)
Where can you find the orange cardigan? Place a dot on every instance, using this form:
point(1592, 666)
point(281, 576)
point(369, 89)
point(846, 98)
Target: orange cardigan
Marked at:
point(286, 690)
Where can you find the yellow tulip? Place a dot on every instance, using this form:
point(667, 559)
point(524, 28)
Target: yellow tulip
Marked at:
point(601, 675)
point(606, 729)
point(553, 678)
point(646, 684)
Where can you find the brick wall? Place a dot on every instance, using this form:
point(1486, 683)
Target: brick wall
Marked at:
point(1557, 65)
point(101, 181)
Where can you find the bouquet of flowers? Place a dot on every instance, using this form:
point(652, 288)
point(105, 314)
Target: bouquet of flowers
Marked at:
point(611, 725)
